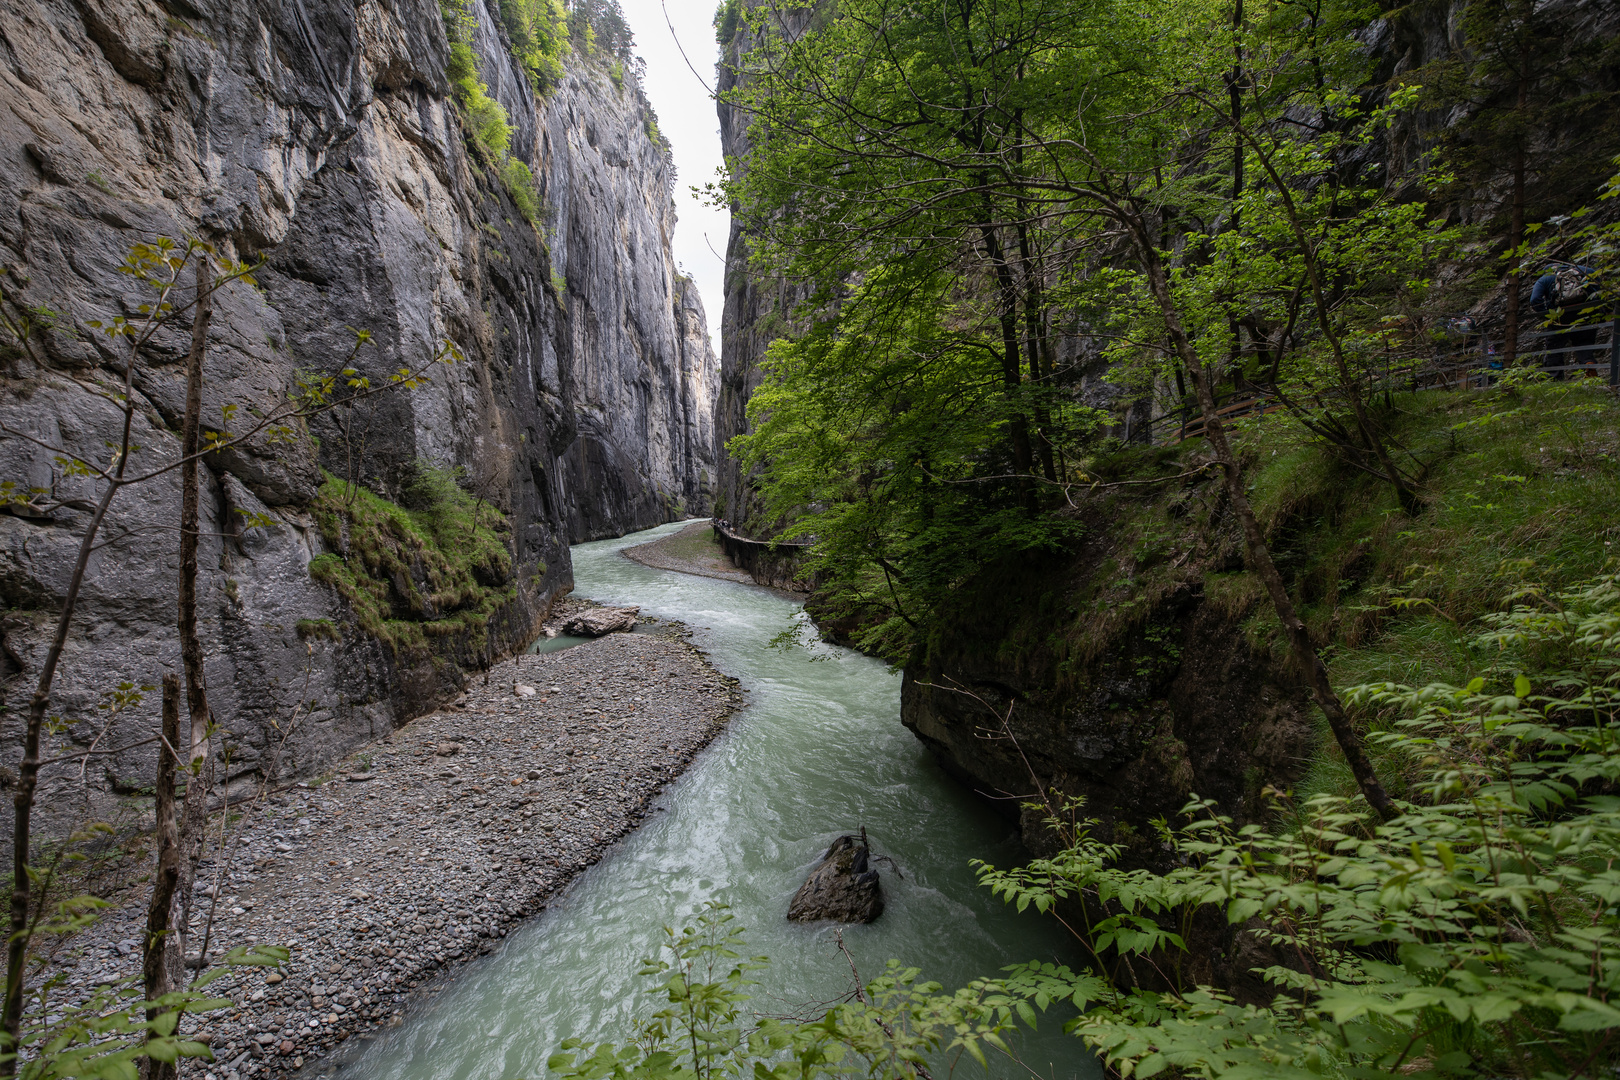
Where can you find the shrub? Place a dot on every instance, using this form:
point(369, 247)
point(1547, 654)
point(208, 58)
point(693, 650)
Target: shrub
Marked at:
point(520, 185)
point(538, 32)
point(429, 487)
point(486, 118)
point(726, 18)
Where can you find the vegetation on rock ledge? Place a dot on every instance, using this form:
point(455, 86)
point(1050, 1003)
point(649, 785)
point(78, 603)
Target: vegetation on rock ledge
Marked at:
point(437, 567)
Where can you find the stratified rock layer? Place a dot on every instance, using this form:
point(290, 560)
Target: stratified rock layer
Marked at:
point(319, 138)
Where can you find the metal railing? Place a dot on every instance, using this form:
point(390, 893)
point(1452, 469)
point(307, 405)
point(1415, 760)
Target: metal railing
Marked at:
point(1474, 365)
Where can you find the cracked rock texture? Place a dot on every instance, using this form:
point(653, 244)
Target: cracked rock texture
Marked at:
point(319, 137)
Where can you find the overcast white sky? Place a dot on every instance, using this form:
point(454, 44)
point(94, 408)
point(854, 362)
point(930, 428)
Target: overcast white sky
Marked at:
point(686, 117)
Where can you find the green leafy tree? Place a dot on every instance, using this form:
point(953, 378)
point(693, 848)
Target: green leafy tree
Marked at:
point(156, 269)
point(1014, 150)
point(538, 33)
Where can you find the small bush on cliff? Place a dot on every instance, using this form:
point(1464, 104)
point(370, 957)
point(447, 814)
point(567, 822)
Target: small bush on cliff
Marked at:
point(726, 19)
point(488, 125)
point(538, 32)
point(439, 569)
point(519, 182)
point(1478, 934)
point(486, 118)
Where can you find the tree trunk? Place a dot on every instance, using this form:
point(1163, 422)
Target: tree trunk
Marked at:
point(1035, 348)
point(28, 770)
point(1234, 93)
point(195, 818)
point(154, 967)
point(1011, 363)
point(1259, 554)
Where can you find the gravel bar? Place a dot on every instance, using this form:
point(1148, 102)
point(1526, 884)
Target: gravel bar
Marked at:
point(424, 849)
point(690, 551)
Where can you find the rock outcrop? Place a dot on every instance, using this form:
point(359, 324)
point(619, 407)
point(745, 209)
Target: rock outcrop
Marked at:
point(320, 138)
point(1149, 693)
point(842, 888)
point(641, 378)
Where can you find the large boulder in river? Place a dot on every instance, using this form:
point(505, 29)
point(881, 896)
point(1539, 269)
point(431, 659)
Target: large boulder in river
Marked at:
point(843, 888)
point(594, 622)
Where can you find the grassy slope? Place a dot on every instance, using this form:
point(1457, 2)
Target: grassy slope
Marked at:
point(1522, 487)
point(1519, 486)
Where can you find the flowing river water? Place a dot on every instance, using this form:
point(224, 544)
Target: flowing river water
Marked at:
point(817, 751)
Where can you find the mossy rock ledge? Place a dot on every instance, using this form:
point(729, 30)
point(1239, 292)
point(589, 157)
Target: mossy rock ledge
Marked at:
point(435, 586)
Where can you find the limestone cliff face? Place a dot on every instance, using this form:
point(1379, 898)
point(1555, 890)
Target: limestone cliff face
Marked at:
point(318, 136)
point(756, 305)
point(642, 381)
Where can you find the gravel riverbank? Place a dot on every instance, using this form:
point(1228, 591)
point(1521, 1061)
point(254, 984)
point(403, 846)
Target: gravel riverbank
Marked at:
point(420, 851)
point(693, 550)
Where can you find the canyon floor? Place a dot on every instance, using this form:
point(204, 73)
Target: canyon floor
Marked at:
point(421, 851)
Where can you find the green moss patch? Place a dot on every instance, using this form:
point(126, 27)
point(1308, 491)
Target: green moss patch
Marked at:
point(437, 569)
point(318, 628)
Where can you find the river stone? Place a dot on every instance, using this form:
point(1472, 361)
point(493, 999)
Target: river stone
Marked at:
point(842, 888)
point(595, 622)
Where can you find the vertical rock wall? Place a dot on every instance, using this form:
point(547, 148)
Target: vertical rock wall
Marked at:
point(756, 305)
point(641, 375)
point(318, 136)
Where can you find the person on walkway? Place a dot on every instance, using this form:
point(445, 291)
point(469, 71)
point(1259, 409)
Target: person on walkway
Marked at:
point(1561, 296)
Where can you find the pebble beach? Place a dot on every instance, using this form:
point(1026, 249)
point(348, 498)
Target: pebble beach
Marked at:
point(421, 851)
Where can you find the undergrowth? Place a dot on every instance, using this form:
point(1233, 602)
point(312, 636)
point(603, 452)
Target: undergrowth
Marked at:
point(1519, 485)
point(438, 567)
point(1520, 488)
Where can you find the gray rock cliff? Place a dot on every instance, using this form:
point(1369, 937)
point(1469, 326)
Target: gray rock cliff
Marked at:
point(643, 379)
point(757, 305)
point(319, 137)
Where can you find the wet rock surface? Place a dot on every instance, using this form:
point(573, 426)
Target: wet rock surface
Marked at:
point(426, 848)
point(843, 888)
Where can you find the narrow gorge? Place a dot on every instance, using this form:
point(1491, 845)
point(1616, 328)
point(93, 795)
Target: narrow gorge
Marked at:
point(1130, 589)
point(322, 143)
